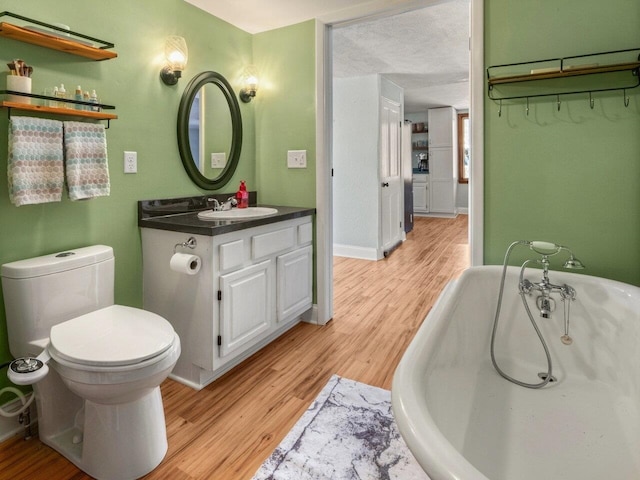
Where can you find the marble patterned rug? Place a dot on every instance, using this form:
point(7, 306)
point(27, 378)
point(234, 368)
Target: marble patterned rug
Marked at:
point(347, 433)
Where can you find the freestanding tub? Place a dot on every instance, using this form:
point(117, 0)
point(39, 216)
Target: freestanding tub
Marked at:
point(463, 421)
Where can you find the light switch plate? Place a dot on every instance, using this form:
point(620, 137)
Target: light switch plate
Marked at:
point(218, 160)
point(297, 159)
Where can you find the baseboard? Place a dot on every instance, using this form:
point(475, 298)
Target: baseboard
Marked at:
point(463, 210)
point(350, 251)
point(311, 315)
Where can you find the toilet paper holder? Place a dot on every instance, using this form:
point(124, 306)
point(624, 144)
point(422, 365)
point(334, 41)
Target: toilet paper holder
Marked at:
point(190, 243)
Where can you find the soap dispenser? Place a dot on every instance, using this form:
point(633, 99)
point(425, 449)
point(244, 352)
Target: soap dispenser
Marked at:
point(242, 196)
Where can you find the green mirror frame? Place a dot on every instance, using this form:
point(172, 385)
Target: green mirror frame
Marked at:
point(184, 146)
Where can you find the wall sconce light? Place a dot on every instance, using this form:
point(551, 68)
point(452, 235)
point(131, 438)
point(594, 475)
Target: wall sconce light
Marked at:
point(176, 55)
point(249, 84)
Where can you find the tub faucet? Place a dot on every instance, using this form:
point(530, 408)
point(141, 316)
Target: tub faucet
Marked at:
point(545, 303)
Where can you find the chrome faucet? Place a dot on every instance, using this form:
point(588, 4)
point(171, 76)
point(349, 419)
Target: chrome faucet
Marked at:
point(545, 303)
point(227, 205)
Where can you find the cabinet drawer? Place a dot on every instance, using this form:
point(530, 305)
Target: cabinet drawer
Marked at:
point(272, 242)
point(305, 233)
point(231, 254)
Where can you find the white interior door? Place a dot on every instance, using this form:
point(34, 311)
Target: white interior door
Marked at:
point(390, 174)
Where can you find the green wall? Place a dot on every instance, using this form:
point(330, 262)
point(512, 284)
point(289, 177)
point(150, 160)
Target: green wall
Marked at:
point(569, 176)
point(286, 113)
point(147, 111)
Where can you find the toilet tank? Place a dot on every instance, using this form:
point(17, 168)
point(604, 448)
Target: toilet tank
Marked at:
point(44, 291)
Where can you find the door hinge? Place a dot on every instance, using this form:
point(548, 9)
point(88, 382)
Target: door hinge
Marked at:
point(219, 295)
point(219, 340)
point(332, 172)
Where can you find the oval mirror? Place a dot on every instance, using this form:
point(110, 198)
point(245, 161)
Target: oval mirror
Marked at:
point(209, 130)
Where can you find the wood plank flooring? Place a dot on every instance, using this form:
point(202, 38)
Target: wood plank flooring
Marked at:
point(226, 430)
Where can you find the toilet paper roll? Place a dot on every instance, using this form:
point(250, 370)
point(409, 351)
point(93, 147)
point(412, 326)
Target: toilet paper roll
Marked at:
point(185, 263)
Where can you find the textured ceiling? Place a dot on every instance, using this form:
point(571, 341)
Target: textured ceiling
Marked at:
point(424, 50)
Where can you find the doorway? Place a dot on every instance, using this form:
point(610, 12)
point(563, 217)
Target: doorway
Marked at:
point(324, 144)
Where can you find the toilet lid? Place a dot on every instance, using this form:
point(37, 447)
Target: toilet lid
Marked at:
point(112, 336)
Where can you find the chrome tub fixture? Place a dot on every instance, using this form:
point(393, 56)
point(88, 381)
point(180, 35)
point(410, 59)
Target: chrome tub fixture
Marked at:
point(544, 301)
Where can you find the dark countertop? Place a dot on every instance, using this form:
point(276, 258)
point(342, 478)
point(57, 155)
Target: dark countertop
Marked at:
point(181, 215)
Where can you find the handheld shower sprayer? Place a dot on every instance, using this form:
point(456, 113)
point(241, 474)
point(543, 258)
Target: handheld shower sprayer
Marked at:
point(548, 249)
point(544, 301)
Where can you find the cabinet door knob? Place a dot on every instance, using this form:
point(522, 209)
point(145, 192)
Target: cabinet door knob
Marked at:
point(385, 184)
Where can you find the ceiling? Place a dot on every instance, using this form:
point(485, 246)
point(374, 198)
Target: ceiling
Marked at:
point(423, 49)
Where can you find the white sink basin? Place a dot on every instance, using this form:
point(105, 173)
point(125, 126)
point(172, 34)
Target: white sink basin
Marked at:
point(237, 213)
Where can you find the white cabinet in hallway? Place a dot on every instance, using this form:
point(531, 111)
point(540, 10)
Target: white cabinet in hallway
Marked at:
point(443, 165)
point(421, 193)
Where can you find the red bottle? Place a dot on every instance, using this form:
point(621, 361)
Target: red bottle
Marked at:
point(242, 196)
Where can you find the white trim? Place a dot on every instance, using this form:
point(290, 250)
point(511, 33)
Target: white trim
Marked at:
point(311, 315)
point(476, 117)
point(350, 251)
point(374, 9)
point(324, 187)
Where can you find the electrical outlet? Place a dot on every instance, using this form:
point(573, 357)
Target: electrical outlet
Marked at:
point(297, 159)
point(130, 162)
point(218, 160)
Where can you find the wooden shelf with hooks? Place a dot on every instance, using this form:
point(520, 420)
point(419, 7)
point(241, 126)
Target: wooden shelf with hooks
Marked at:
point(503, 79)
point(568, 72)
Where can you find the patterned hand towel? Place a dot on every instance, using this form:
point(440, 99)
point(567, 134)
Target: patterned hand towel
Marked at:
point(35, 167)
point(87, 167)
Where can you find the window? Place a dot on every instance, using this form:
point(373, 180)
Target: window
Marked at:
point(464, 144)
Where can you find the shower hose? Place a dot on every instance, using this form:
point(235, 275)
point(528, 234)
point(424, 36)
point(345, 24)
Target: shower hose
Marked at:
point(547, 376)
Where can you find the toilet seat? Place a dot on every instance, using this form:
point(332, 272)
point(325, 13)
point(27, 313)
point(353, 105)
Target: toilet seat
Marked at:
point(114, 336)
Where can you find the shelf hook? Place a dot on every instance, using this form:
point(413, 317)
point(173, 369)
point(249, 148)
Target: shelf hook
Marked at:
point(527, 106)
point(500, 108)
point(591, 101)
point(558, 101)
point(626, 99)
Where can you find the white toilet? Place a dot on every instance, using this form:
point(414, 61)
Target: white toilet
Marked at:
point(100, 403)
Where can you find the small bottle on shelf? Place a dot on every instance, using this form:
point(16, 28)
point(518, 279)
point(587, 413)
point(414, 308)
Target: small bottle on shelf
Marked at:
point(56, 94)
point(94, 99)
point(62, 93)
point(78, 97)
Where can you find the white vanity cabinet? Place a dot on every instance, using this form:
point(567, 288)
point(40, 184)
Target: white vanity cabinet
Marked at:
point(245, 306)
point(254, 284)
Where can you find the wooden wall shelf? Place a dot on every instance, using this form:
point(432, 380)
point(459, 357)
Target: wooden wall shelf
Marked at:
point(568, 72)
point(69, 112)
point(566, 68)
point(49, 36)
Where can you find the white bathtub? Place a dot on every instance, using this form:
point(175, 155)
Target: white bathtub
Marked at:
point(463, 421)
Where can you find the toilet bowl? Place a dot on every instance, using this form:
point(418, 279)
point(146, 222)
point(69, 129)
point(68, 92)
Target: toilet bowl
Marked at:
point(97, 374)
point(115, 354)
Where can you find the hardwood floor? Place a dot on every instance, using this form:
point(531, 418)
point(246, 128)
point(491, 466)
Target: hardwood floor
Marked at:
point(226, 430)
